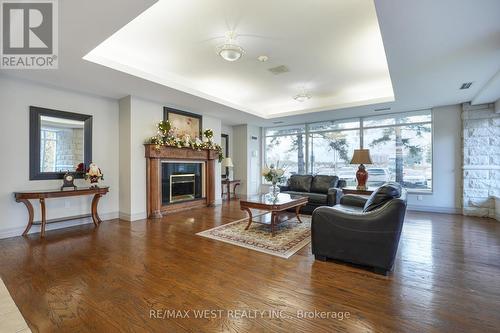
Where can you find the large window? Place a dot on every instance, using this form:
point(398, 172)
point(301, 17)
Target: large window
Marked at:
point(401, 149)
point(287, 146)
point(400, 146)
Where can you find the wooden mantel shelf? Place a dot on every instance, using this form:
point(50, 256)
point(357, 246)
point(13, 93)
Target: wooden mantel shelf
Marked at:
point(154, 155)
point(166, 152)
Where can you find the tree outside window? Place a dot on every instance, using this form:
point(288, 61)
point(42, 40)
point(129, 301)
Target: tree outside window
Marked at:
point(400, 146)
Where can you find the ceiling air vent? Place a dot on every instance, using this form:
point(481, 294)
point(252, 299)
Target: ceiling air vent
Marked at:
point(382, 109)
point(277, 122)
point(279, 70)
point(466, 85)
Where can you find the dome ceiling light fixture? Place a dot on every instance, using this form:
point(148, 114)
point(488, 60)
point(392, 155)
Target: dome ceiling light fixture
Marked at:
point(303, 96)
point(230, 51)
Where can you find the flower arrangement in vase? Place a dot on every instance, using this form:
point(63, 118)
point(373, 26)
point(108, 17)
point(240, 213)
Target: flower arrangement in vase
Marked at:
point(275, 175)
point(209, 134)
point(165, 137)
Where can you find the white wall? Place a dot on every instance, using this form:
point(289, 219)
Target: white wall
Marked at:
point(143, 117)
point(229, 131)
point(138, 119)
point(254, 157)
point(124, 155)
point(216, 125)
point(15, 99)
point(247, 158)
point(447, 164)
point(240, 158)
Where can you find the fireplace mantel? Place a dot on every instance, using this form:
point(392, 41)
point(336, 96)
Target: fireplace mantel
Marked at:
point(154, 156)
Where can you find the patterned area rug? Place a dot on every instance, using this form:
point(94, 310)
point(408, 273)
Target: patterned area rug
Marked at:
point(11, 319)
point(290, 236)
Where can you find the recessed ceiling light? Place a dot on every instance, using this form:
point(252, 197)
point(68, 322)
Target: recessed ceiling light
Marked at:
point(263, 58)
point(230, 51)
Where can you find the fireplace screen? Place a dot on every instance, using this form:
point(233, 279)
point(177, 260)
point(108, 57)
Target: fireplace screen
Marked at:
point(182, 187)
point(182, 181)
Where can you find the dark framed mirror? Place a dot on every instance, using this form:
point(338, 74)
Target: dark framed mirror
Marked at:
point(59, 142)
point(225, 152)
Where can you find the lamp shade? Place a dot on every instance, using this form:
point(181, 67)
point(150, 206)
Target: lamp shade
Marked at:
point(227, 162)
point(361, 156)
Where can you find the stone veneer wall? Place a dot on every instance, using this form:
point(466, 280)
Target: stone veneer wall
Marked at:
point(69, 148)
point(481, 160)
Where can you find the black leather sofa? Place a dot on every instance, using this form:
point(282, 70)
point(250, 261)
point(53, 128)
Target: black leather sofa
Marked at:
point(320, 189)
point(361, 230)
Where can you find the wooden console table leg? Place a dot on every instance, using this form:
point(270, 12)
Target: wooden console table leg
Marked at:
point(95, 215)
point(44, 218)
point(234, 190)
point(249, 216)
point(228, 191)
point(29, 206)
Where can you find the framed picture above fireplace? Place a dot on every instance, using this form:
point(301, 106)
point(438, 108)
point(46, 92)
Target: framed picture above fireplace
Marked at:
point(184, 123)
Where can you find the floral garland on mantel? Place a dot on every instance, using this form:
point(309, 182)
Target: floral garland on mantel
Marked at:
point(165, 137)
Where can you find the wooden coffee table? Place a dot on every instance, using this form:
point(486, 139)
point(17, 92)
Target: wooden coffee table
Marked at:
point(275, 207)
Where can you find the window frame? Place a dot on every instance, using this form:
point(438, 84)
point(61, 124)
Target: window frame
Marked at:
point(43, 141)
point(361, 129)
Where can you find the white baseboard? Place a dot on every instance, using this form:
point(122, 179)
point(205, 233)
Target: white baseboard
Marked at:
point(18, 231)
point(432, 209)
point(133, 217)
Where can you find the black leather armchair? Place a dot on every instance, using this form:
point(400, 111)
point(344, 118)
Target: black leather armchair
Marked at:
point(361, 230)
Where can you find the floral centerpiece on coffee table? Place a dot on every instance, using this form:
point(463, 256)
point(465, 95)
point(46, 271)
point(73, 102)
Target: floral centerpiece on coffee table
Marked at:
point(165, 137)
point(274, 174)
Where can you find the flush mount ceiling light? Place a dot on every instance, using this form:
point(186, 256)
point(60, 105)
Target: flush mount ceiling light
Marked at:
point(230, 51)
point(302, 97)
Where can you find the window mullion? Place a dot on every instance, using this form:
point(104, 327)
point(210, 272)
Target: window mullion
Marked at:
point(308, 170)
point(361, 130)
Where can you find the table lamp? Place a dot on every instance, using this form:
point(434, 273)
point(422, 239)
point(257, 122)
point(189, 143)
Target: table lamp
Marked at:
point(361, 157)
point(227, 163)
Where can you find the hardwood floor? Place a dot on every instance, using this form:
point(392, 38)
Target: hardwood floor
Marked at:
point(446, 279)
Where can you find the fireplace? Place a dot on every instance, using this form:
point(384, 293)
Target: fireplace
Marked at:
point(162, 162)
point(182, 181)
point(182, 187)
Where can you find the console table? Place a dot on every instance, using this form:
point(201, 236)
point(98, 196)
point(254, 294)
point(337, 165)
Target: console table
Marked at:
point(228, 183)
point(25, 197)
point(354, 190)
